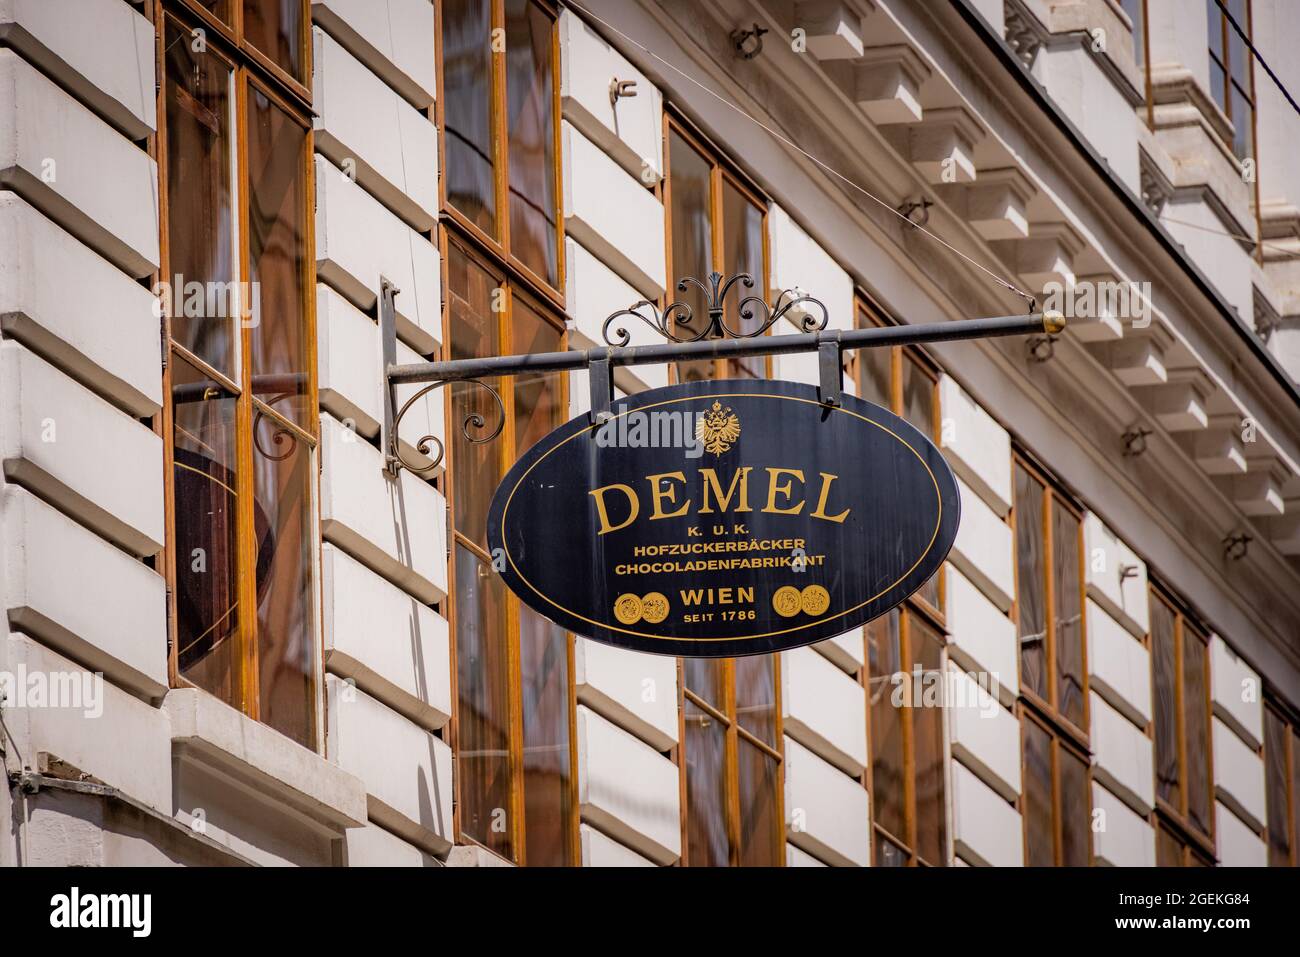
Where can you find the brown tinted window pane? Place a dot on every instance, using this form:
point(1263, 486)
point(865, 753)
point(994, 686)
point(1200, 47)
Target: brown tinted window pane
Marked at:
point(483, 762)
point(1196, 725)
point(1275, 769)
point(206, 516)
point(544, 693)
point(468, 112)
point(1037, 797)
point(927, 737)
point(201, 223)
point(530, 123)
point(918, 398)
point(889, 854)
point(276, 28)
point(538, 398)
point(692, 240)
point(706, 789)
point(742, 240)
point(1068, 617)
point(886, 669)
point(277, 246)
point(1169, 850)
point(705, 677)
point(875, 374)
point(918, 409)
point(1076, 809)
point(221, 8)
point(756, 696)
point(476, 467)
point(1165, 676)
point(282, 519)
point(1031, 560)
point(761, 842)
point(1295, 792)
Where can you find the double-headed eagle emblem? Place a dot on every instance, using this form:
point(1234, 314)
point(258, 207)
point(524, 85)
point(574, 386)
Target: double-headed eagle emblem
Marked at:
point(717, 428)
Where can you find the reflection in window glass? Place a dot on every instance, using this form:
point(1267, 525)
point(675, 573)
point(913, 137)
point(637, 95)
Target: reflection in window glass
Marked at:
point(277, 247)
point(885, 662)
point(927, 736)
point(1196, 725)
point(742, 237)
point(761, 840)
point(468, 111)
point(282, 480)
point(691, 212)
point(756, 697)
point(276, 28)
point(1031, 600)
point(205, 487)
point(530, 126)
point(1036, 798)
point(1164, 658)
point(1076, 806)
point(484, 710)
point(1067, 585)
point(1276, 738)
point(476, 467)
point(706, 810)
point(544, 667)
point(201, 221)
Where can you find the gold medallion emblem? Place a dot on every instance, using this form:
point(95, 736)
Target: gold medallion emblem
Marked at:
point(786, 601)
point(815, 599)
point(718, 428)
point(627, 609)
point(654, 608)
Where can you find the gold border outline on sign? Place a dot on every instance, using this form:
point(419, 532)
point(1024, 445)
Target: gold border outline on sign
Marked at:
point(505, 511)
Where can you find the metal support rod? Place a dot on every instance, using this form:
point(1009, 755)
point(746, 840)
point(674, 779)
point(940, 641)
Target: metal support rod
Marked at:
point(388, 343)
point(459, 369)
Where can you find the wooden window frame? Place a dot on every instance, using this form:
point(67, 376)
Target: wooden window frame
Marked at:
point(1060, 738)
point(514, 286)
point(1030, 706)
point(1048, 709)
point(499, 249)
point(721, 170)
point(1290, 720)
point(731, 760)
point(1176, 820)
point(248, 67)
point(868, 314)
point(908, 611)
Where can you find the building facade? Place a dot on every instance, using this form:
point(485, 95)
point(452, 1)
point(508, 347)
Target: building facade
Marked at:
point(233, 637)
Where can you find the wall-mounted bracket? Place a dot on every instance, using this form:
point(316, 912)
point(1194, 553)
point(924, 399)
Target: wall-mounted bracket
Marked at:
point(388, 343)
point(830, 368)
point(601, 379)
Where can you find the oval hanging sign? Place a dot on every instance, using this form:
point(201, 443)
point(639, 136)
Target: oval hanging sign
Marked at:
point(730, 517)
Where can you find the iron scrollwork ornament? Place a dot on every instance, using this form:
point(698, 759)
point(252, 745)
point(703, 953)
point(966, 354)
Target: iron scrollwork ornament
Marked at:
point(431, 446)
point(678, 316)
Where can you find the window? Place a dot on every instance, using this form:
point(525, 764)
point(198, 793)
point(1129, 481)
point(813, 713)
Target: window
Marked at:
point(731, 743)
point(906, 382)
point(1231, 78)
point(1282, 777)
point(1181, 691)
point(716, 224)
point(501, 132)
point(1056, 796)
point(513, 667)
point(904, 657)
point(502, 242)
point(235, 153)
point(732, 758)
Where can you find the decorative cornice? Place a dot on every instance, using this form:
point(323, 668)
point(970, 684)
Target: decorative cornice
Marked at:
point(1025, 34)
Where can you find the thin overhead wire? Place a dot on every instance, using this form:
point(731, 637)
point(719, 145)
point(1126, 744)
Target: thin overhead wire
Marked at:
point(814, 159)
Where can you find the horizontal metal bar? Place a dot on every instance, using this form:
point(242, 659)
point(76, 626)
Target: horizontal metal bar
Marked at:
point(539, 362)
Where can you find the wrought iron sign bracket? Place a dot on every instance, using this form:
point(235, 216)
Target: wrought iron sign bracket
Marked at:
point(716, 338)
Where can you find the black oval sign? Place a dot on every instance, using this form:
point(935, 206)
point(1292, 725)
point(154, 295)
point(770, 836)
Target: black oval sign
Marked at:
point(728, 517)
